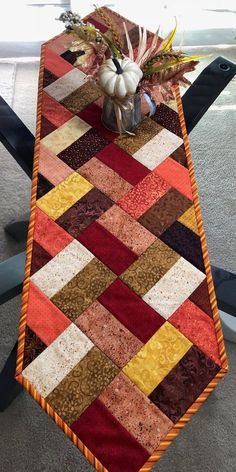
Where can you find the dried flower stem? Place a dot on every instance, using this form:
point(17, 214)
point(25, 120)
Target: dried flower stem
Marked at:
point(107, 20)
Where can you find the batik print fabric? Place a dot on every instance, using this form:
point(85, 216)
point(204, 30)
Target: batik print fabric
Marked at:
point(119, 340)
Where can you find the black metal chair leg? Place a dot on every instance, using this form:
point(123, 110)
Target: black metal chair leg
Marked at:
point(11, 281)
point(11, 277)
point(225, 288)
point(9, 387)
point(18, 229)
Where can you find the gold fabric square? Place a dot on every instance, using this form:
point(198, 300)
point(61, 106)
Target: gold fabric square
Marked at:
point(64, 195)
point(157, 357)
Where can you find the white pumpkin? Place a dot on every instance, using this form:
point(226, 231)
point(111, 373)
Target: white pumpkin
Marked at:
point(119, 77)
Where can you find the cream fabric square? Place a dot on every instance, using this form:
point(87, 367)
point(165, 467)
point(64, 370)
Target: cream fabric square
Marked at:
point(158, 148)
point(174, 288)
point(62, 268)
point(66, 84)
point(57, 360)
point(64, 136)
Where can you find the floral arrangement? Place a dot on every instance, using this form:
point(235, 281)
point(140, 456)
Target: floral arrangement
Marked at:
point(152, 69)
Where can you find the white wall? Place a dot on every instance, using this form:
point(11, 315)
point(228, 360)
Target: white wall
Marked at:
point(192, 15)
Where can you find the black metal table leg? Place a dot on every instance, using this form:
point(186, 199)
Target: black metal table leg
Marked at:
point(16, 137)
point(205, 89)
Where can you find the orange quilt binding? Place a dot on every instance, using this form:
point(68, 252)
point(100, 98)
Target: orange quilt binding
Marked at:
point(22, 324)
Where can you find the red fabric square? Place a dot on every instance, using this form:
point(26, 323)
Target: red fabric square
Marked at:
point(141, 197)
point(56, 64)
point(54, 111)
point(108, 440)
point(122, 163)
point(176, 175)
point(106, 247)
point(131, 310)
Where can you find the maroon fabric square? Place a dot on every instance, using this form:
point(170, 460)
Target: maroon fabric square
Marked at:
point(84, 212)
point(185, 382)
point(92, 114)
point(106, 247)
point(40, 257)
point(121, 162)
point(131, 310)
point(108, 440)
point(43, 187)
point(180, 156)
point(46, 127)
point(168, 118)
point(186, 243)
point(201, 298)
point(33, 346)
point(83, 149)
point(103, 28)
point(71, 57)
point(48, 78)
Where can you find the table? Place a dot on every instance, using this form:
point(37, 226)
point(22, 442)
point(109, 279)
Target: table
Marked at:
point(120, 339)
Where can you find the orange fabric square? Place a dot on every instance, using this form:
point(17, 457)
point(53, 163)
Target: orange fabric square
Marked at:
point(49, 235)
point(176, 175)
point(43, 317)
point(198, 327)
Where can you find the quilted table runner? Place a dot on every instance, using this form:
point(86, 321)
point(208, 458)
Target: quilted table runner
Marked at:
point(120, 339)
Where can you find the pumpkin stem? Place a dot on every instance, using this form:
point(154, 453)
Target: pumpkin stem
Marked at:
point(119, 70)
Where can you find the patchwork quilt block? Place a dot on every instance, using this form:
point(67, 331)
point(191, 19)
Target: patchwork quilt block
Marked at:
point(120, 339)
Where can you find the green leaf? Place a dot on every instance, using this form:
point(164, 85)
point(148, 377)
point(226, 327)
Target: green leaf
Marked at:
point(169, 40)
point(171, 63)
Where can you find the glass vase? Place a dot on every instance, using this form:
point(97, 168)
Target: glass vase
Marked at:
point(131, 118)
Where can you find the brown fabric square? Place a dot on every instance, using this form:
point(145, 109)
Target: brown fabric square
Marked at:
point(76, 101)
point(150, 267)
point(83, 289)
point(180, 156)
point(182, 386)
point(146, 131)
point(84, 212)
point(82, 385)
point(165, 212)
point(82, 150)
